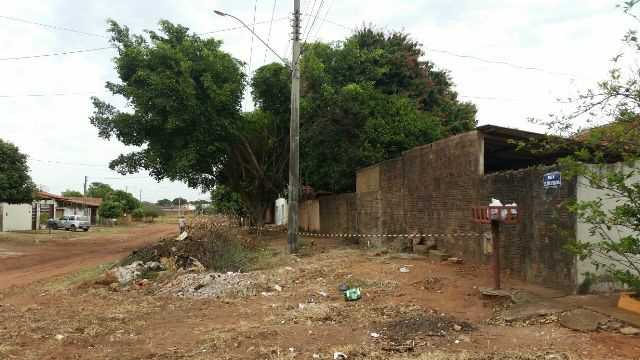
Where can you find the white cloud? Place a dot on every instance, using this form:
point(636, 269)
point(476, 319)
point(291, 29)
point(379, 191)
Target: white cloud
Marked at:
point(577, 37)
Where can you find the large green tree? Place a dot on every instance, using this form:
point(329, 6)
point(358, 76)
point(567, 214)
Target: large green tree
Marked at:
point(367, 99)
point(184, 95)
point(127, 201)
point(16, 186)
point(71, 193)
point(98, 190)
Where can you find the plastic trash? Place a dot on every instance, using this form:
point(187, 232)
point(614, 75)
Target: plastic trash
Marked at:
point(375, 335)
point(513, 213)
point(339, 355)
point(404, 270)
point(494, 212)
point(343, 287)
point(277, 287)
point(352, 294)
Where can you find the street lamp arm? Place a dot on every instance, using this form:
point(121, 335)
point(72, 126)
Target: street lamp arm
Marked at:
point(253, 32)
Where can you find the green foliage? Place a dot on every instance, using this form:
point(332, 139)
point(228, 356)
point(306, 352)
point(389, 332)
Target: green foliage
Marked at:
point(110, 209)
point(185, 95)
point(16, 186)
point(137, 214)
point(71, 193)
point(125, 199)
point(226, 201)
point(199, 202)
point(179, 201)
point(163, 202)
point(98, 190)
point(609, 133)
point(367, 99)
point(151, 211)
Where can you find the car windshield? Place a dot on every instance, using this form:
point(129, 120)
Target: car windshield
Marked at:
point(83, 218)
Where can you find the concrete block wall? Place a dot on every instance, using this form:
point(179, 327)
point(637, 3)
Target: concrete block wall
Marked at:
point(534, 249)
point(432, 188)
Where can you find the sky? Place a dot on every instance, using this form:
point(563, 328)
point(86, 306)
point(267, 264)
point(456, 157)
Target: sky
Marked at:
point(568, 43)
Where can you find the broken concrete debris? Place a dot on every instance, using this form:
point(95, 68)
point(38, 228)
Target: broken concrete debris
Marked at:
point(453, 260)
point(438, 255)
point(529, 310)
point(183, 236)
point(582, 320)
point(628, 330)
point(128, 273)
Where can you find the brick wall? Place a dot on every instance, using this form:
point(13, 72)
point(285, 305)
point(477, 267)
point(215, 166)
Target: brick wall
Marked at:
point(532, 248)
point(338, 213)
point(432, 188)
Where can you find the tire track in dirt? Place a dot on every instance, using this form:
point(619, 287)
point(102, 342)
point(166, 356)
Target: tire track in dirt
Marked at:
point(40, 262)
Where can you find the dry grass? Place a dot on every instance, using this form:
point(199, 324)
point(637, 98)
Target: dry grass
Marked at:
point(66, 282)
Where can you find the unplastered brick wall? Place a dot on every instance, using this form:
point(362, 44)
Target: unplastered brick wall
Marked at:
point(338, 213)
point(534, 248)
point(440, 184)
point(431, 189)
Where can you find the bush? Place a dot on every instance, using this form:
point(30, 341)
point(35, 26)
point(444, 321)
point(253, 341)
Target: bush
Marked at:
point(111, 209)
point(137, 214)
point(216, 248)
point(151, 211)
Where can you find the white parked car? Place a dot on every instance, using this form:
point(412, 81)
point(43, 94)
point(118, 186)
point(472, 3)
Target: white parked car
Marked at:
point(72, 222)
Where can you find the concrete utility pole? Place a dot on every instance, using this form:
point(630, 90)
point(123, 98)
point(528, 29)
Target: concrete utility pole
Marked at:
point(294, 136)
point(84, 194)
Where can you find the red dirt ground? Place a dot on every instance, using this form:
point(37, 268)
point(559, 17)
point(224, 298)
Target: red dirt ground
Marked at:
point(64, 252)
point(98, 322)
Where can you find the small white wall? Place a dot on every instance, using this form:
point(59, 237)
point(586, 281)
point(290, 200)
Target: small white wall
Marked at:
point(281, 211)
point(16, 217)
point(586, 193)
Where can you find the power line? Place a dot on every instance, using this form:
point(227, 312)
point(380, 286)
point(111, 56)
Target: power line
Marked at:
point(513, 99)
point(314, 20)
point(56, 54)
point(242, 27)
point(323, 20)
point(54, 94)
point(66, 163)
point(498, 62)
point(273, 11)
point(52, 26)
point(308, 25)
point(255, 6)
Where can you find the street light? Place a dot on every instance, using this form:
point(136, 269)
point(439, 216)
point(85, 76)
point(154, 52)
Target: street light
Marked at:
point(218, 12)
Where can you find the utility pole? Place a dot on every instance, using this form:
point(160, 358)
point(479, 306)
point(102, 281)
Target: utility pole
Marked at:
point(84, 194)
point(294, 136)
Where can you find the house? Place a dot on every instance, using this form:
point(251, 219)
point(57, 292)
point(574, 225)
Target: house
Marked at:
point(176, 210)
point(58, 206)
point(431, 189)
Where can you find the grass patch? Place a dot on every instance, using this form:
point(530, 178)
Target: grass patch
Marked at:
point(76, 278)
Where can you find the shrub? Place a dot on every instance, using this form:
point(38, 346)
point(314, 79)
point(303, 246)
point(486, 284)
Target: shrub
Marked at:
point(137, 214)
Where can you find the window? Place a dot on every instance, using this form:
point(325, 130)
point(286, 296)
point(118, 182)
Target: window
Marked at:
point(83, 218)
point(72, 218)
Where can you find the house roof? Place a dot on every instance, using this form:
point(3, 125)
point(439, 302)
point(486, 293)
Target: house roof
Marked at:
point(91, 202)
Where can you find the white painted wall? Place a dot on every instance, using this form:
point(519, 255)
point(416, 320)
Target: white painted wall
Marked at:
point(585, 193)
point(281, 211)
point(16, 217)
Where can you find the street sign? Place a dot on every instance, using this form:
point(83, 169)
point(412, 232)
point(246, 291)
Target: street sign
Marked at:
point(552, 180)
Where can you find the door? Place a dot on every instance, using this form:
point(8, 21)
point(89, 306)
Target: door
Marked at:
point(34, 217)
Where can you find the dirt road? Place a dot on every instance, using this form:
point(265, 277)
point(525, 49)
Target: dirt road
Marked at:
point(64, 252)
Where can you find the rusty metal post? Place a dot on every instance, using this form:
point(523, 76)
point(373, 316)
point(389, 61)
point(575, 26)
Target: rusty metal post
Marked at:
point(495, 252)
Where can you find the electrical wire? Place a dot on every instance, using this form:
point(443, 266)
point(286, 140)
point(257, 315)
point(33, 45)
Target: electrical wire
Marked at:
point(56, 54)
point(273, 11)
point(55, 94)
point(67, 163)
point(241, 27)
point(314, 20)
point(255, 6)
point(323, 20)
point(52, 26)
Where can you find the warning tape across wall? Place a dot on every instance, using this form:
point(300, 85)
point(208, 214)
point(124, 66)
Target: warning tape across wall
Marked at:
point(354, 235)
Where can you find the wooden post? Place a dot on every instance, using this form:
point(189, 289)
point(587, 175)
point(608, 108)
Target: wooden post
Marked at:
point(495, 252)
